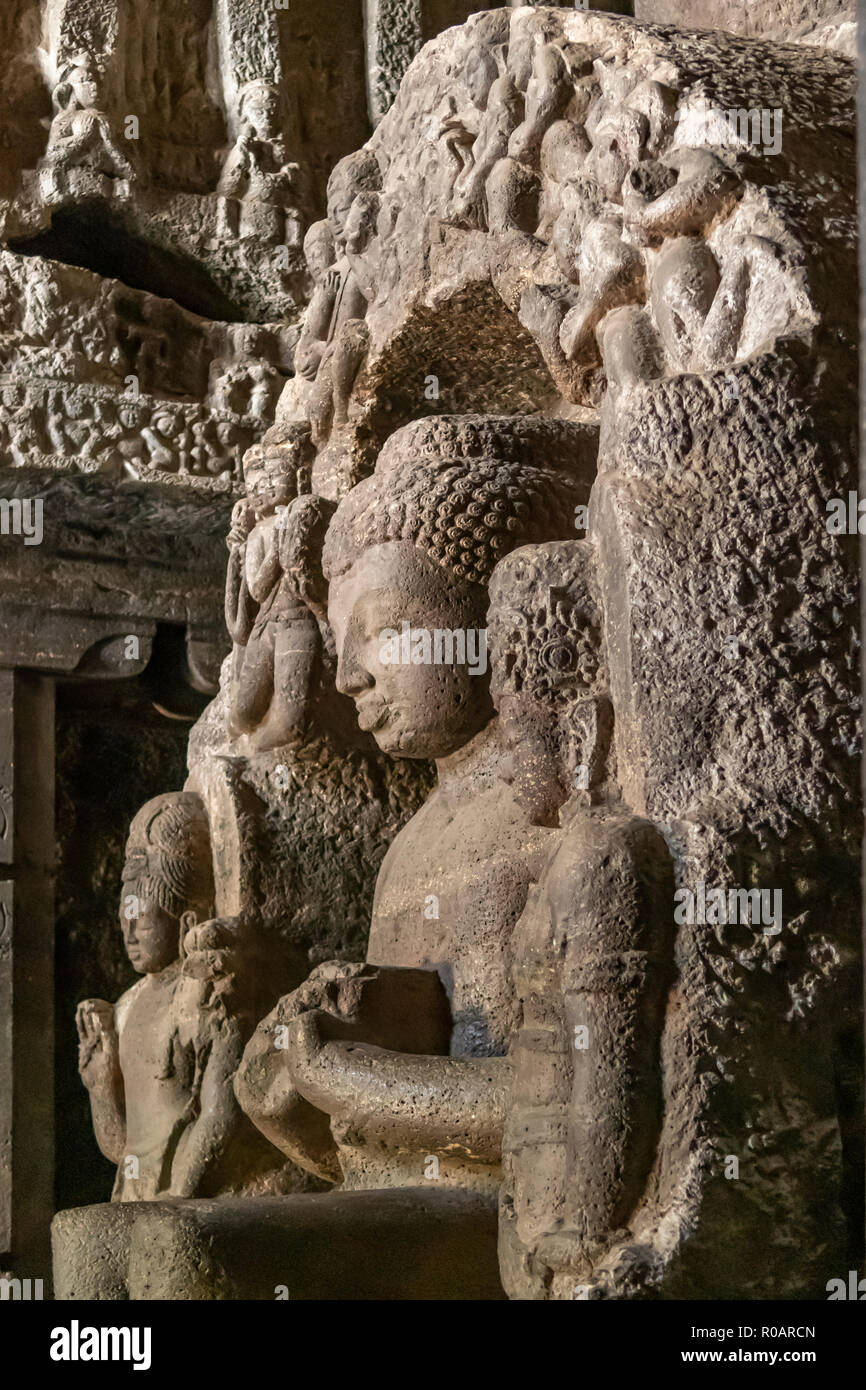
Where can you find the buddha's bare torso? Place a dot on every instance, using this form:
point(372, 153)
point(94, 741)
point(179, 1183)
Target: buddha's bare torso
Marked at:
point(451, 890)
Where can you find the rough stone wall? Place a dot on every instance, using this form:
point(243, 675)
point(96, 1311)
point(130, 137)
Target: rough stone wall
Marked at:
point(827, 23)
point(140, 233)
point(740, 17)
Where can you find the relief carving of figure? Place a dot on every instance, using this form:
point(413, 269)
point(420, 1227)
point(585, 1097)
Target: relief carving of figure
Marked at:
point(272, 595)
point(159, 1063)
point(501, 106)
point(356, 175)
point(514, 187)
point(320, 254)
point(333, 338)
point(257, 173)
point(593, 950)
point(80, 137)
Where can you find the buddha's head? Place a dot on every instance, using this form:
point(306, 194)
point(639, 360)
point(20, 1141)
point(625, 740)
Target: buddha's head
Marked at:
point(168, 882)
point(409, 555)
point(479, 75)
point(548, 679)
point(362, 222)
point(319, 250)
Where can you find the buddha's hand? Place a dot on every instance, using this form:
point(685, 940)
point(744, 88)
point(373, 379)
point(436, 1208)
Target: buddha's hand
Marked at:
point(307, 359)
point(341, 1008)
point(404, 1010)
point(98, 1045)
point(212, 956)
point(265, 1085)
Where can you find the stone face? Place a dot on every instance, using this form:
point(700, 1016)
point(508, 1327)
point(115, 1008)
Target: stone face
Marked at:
point(513, 890)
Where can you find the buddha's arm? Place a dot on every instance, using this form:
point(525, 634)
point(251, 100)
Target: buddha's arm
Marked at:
point(240, 606)
point(99, 133)
point(108, 1113)
point(203, 1143)
point(99, 1067)
point(616, 973)
point(239, 612)
point(268, 1097)
point(317, 322)
point(233, 173)
point(422, 1100)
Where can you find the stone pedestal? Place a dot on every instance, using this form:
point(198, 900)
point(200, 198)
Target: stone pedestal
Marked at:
point(406, 1244)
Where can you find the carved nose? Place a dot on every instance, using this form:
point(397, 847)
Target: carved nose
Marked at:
point(352, 678)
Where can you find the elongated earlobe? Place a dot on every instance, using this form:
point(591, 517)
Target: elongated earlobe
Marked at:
point(188, 920)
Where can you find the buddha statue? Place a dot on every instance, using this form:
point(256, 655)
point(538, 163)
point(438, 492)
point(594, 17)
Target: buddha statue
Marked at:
point(388, 1079)
point(403, 1059)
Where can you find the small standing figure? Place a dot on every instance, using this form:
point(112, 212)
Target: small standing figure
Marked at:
point(355, 179)
point(502, 114)
point(320, 253)
point(513, 189)
point(275, 593)
point(159, 1064)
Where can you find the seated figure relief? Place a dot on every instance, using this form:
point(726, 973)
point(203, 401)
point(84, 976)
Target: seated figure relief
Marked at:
point(80, 138)
point(410, 552)
point(262, 187)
